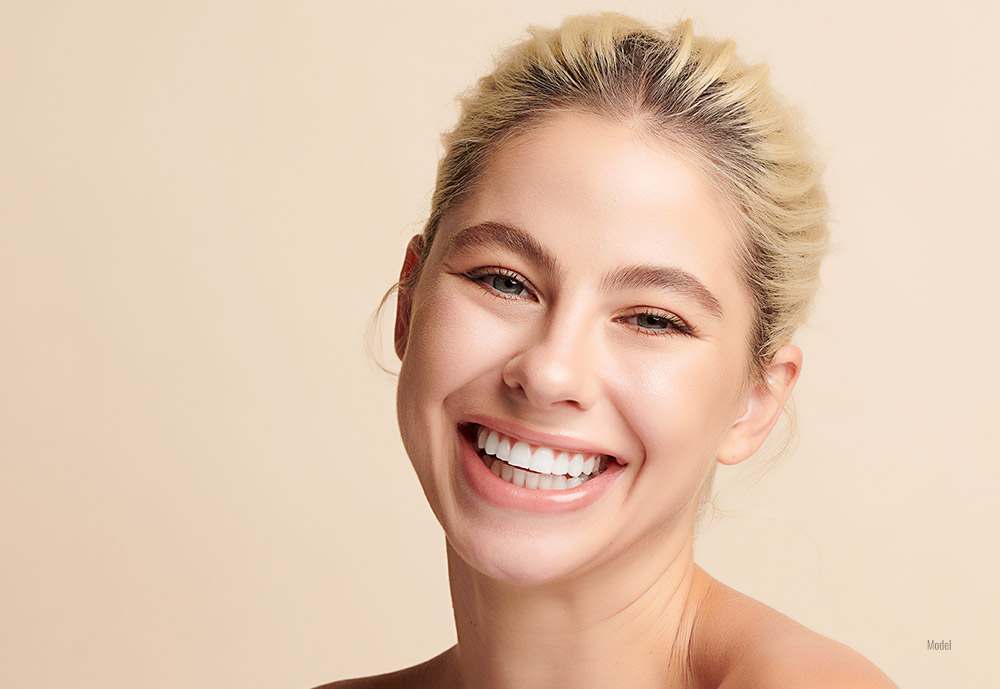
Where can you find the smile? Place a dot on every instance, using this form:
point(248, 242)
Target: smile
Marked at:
point(535, 466)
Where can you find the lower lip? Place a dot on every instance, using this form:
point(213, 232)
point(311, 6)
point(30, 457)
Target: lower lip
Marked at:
point(496, 491)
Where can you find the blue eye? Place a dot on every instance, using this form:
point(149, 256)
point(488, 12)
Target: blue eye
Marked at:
point(651, 321)
point(648, 323)
point(507, 284)
point(501, 282)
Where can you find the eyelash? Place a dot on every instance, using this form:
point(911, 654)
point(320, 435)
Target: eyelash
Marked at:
point(479, 275)
point(676, 325)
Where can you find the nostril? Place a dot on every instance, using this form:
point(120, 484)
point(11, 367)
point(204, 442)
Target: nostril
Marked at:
point(558, 366)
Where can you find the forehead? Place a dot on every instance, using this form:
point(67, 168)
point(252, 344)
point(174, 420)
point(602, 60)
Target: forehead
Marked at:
point(606, 193)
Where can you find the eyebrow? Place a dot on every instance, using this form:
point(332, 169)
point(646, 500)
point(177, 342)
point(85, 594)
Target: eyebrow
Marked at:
point(497, 234)
point(669, 278)
point(491, 233)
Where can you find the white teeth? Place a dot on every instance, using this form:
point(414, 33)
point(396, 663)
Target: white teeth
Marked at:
point(542, 460)
point(503, 449)
point(506, 471)
point(561, 465)
point(520, 455)
point(492, 440)
point(518, 479)
point(530, 479)
point(541, 469)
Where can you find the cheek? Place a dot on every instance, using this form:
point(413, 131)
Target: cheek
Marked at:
point(453, 341)
point(680, 405)
point(455, 353)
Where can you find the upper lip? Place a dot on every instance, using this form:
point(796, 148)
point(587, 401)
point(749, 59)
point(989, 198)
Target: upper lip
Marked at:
point(555, 441)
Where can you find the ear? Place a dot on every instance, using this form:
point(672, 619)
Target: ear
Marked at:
point(764, 404)
point(404, 294)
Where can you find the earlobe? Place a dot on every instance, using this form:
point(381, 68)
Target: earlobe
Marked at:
point(404, 292)
point(764, 405)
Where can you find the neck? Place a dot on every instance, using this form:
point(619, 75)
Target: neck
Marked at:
point(596, 630)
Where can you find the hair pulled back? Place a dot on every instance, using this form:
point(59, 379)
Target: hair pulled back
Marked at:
point(690, 91)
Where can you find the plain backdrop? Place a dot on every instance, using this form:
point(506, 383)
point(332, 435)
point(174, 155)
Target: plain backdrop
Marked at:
point(201, 204)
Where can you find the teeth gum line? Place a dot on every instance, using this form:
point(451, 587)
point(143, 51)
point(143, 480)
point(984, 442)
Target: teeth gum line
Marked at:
point(535, 467)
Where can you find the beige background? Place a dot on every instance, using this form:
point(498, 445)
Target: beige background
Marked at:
point(201, 482)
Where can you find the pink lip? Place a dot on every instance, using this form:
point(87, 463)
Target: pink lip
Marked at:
point(496, 491)
point(556, 442)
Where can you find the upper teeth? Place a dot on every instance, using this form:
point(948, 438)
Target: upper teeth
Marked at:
point(543, 460)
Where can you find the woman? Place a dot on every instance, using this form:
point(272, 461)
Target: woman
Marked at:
point(626, 231)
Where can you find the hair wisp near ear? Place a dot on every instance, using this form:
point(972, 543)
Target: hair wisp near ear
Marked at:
point(408, 275)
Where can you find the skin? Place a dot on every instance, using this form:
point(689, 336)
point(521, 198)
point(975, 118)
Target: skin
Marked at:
point(655, 375)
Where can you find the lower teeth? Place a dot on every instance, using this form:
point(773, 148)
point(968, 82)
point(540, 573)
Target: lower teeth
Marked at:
point(531, 479)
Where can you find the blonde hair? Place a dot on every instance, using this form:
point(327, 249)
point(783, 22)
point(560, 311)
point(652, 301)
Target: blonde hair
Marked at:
point(689, 90)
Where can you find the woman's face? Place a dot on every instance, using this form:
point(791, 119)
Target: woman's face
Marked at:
point(584, 300)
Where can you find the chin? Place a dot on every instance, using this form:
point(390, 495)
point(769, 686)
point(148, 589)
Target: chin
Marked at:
point(519, 561)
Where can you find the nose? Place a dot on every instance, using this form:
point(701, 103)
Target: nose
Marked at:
point(557, 369)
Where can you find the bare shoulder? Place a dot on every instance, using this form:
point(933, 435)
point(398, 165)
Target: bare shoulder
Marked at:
point(748, 645)
point(432, 673)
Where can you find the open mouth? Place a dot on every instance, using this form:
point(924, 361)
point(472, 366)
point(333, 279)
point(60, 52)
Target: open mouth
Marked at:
point(534, 466)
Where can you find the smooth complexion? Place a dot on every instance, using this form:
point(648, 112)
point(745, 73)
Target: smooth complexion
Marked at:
point(608, 314)
point(586, 297)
